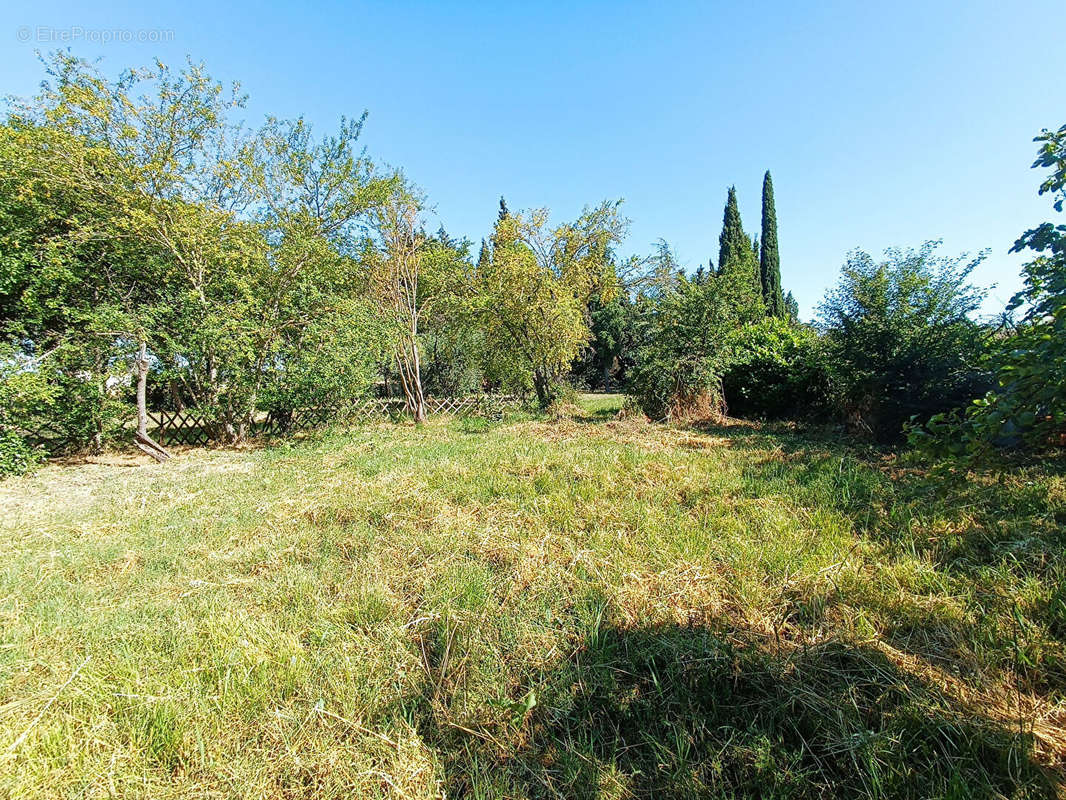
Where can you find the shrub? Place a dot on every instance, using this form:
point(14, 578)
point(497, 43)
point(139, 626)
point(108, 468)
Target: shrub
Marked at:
point(57, 404)
point(17, 456)
point(678, 370)
point(685, 388)
point(900, 339)
point(777, 370)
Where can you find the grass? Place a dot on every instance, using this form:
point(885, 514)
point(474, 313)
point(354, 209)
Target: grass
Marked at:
point(576, 607)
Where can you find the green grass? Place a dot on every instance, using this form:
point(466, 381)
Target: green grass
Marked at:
point(586, 607)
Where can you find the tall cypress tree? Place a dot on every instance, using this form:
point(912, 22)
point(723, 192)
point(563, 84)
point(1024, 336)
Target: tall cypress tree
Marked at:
point(770, 258)
point(504, 212)
point(737, 263)
point(732, 242)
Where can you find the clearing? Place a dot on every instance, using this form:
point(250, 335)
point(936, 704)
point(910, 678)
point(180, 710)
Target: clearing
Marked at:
point(578, 607)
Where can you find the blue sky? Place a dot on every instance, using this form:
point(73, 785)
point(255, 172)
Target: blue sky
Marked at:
point(883, 123)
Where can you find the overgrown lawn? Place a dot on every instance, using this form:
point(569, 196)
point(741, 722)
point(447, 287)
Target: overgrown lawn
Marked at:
point(586, 607)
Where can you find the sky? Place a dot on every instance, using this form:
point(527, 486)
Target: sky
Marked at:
point(883, 124)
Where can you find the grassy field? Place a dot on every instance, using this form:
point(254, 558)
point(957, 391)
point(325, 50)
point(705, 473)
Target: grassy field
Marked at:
point(582, 606)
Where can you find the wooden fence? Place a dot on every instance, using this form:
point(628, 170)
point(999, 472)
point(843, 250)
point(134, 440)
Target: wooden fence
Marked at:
point(188, 428)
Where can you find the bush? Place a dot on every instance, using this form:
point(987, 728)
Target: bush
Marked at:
point(17, 456)
point(678, 370)
point(57, 404)
point(777, 370)
point(333, 359)
point(678, 386)
point(900, 339)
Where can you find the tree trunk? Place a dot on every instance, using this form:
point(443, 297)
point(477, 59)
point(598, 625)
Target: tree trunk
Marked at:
point(542, 384)
point(142, 390)
point(407, 364)
point(144, 442)
point(175, 396)
point(416, 379)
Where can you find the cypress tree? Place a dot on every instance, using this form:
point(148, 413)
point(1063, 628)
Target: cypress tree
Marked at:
point(504, 212)
point(736, 260)
point(732, 242)
point(483, 257)
point(770, 258)
point(792, 309)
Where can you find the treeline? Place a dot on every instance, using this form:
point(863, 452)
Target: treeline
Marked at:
point(156, 252)
point(896, 351)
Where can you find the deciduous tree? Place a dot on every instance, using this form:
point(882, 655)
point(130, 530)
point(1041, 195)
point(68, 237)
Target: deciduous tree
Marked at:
point(535, 292)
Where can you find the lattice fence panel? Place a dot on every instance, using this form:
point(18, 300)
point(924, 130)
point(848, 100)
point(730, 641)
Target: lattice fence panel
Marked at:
point(187, 428)
point(179, 427)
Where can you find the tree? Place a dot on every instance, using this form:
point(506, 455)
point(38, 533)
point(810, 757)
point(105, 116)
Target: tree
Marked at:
point(609, 325)
point(770, 259)
point(1027, 407)
point(615, 324)
point(396, 266)
point(792, 311)
point(535, 292)
point(484, 256)
point(1032, 373)
point(900, 339)
point(205, 253)
point(452, 340)
point(62, 287)
point(732, 240)
point(124, 160)
point(651, 274)
point(155, 148)
point(736, 260)
point(320, 195)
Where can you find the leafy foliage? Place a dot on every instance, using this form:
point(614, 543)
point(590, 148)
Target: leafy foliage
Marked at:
point(534, 291)
point(610, 352)
point(776, 370)
point(900, 339)
point(1028, 406)
point(158, 219)
point(274, 268)
point(685, 346)
point(737, 261)
point(17, 456)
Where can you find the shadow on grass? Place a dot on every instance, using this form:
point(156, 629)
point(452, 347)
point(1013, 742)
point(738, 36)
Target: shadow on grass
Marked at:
point(996, 538)
point(694, 712)
point(990, 515)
